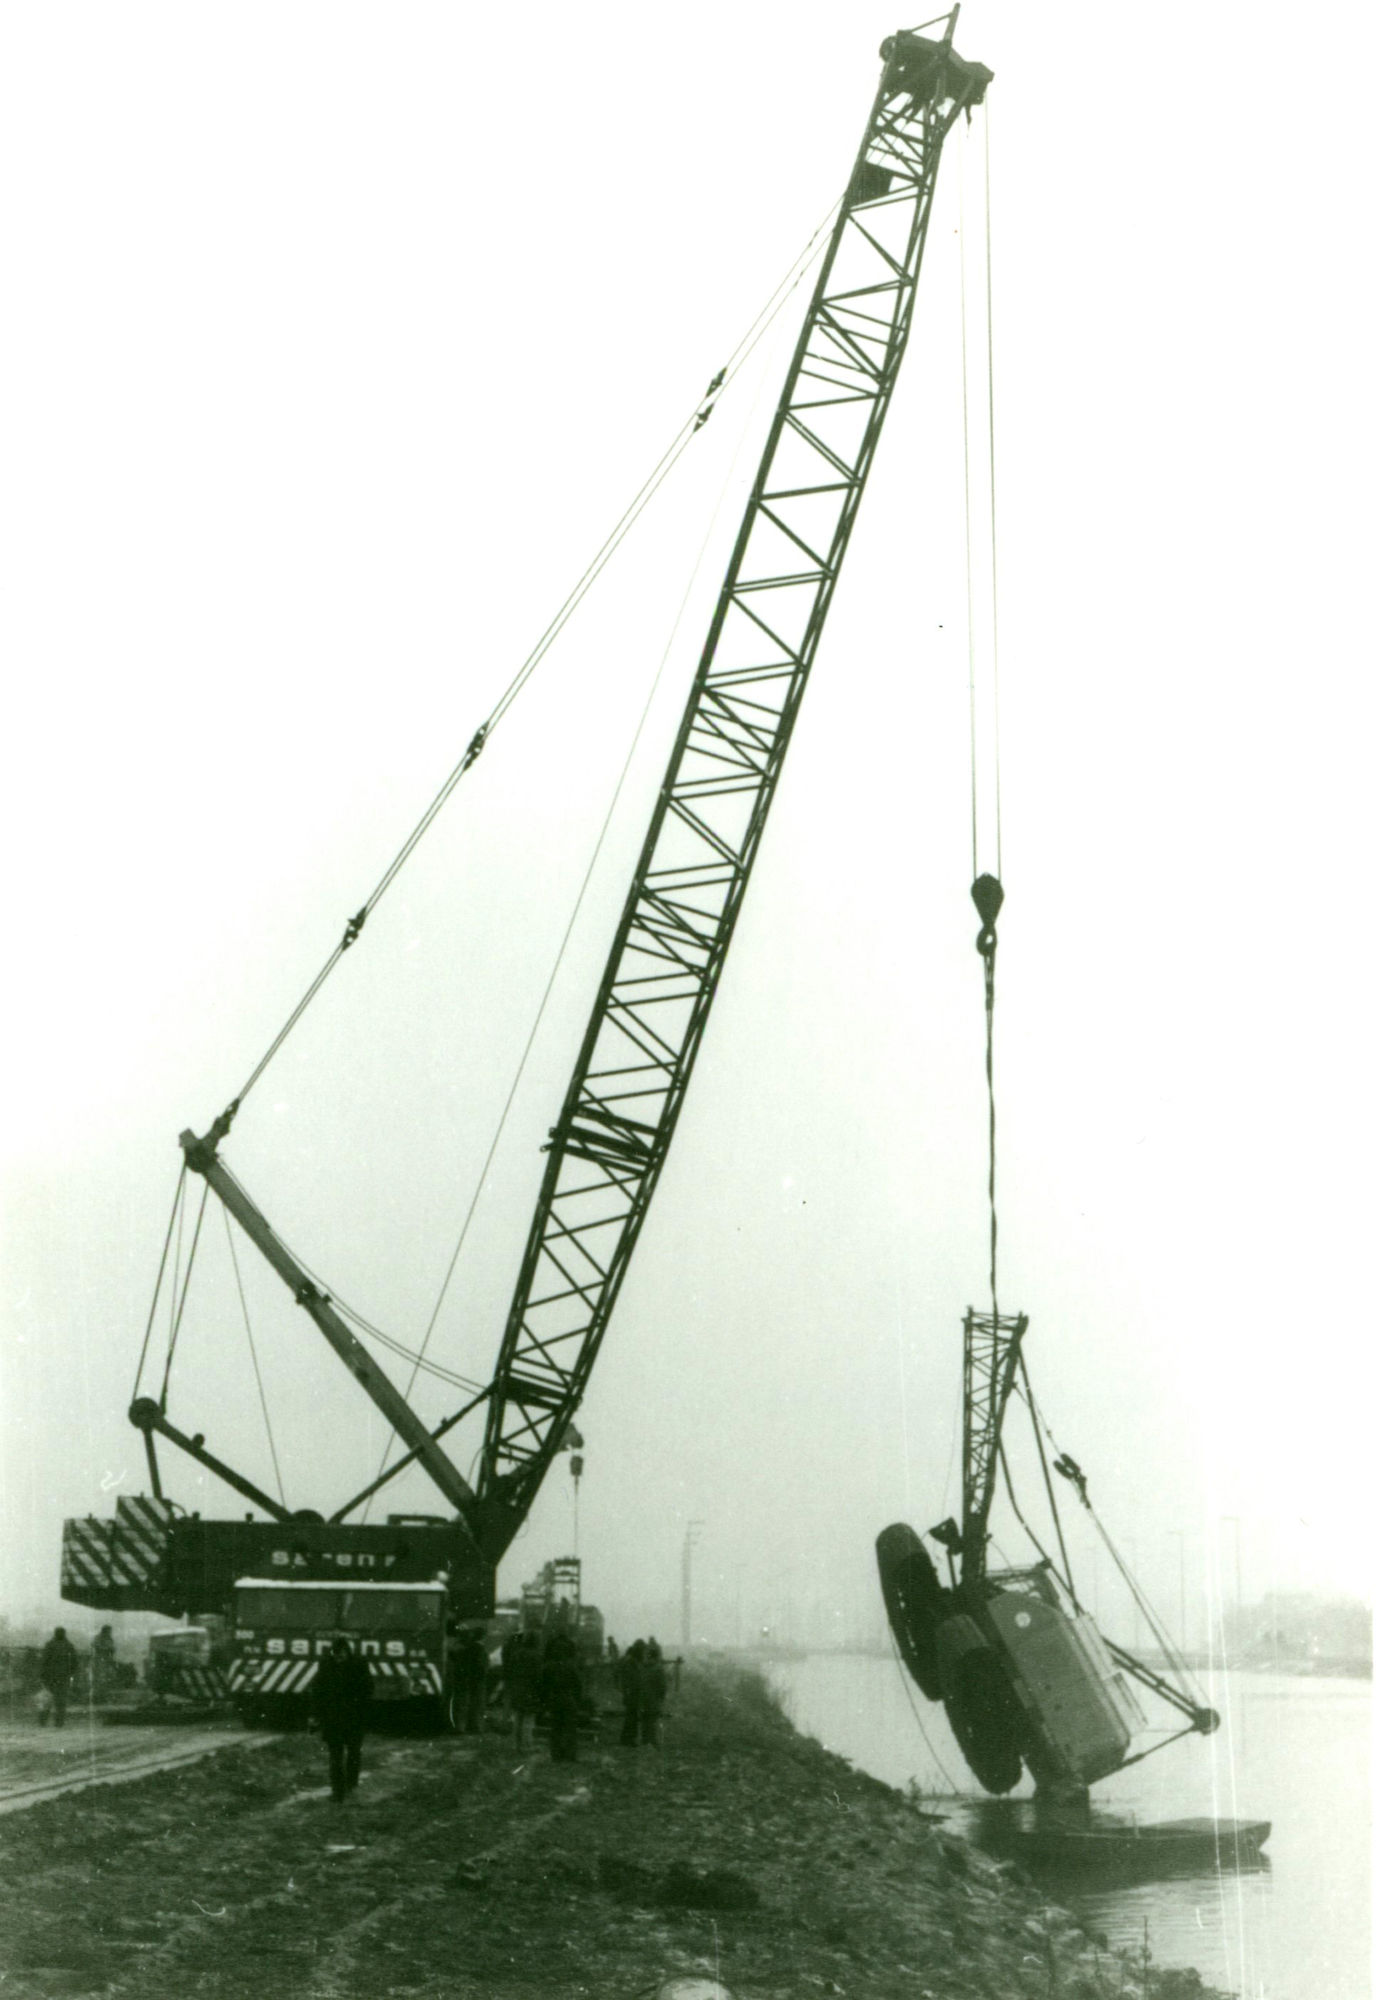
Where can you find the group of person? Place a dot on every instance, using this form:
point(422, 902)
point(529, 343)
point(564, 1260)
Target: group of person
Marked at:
point(644, 1682)
point(544, 1677)
point(59, 1664)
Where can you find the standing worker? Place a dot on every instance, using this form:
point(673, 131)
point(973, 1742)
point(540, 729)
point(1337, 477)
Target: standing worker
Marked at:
point(521, 1679)
point(654, 1686)
point(470, 1680)
point(341, 1697)
point(102, 1662)
point(561, 1697)
point(628, 1674)
point(56, 1671)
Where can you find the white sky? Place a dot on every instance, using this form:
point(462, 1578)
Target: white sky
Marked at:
point(336, 338)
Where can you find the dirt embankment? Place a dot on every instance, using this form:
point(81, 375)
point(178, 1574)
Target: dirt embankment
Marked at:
point(739, 1850)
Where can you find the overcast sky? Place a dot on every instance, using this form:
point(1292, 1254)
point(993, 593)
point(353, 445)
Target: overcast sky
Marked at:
point(337, 338)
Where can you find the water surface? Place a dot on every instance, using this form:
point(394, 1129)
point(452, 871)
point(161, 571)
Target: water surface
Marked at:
point(1293, 1751)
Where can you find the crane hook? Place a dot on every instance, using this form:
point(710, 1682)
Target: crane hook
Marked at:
point(987, 892)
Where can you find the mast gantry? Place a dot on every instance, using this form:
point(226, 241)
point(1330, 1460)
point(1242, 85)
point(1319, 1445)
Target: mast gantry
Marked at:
point(608, 1148)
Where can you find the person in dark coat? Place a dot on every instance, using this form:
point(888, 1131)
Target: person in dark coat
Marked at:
point(103, 1674)
point(470, 1681)
point(561, 1697)
point(521, 1680)
point(340, 1699)
point(628, 1675)
point(654, 1686)
point(56, 1672)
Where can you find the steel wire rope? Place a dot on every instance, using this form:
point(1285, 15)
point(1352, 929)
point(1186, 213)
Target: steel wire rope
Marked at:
point(253, 1356)
point(573, 914)
point(691, 425)
point(356, 1318)
point(969, 531)
point(162, 1272)
point(932, 1751)
point(993, 497)
point(1155, 1624)
point(186, 1288)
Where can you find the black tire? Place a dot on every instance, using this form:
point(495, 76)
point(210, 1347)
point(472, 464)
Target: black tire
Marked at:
point(915, 1601)
point(986, 1720)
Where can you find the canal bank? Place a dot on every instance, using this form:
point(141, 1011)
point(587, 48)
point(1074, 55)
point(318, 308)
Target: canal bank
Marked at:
point(739, 1850)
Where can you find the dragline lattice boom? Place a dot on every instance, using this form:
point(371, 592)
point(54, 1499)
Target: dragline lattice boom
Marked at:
point(642, 1037)
point(613, 1131)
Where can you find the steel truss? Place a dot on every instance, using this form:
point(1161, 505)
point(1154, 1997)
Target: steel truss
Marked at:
point(992, 1347)
point(642, 1038)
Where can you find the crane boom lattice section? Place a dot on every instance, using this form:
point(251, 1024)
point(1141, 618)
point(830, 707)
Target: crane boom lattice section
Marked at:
point(992, 1347)
point(642, 1038)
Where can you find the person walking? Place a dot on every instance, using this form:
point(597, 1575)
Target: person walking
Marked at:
point(341, 1697)
point(561, 1697)
point(654, 1686)
point(628, 1675)
point(56, 1671)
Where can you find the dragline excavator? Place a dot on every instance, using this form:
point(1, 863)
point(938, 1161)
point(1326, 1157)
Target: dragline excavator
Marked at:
point(614, 1128)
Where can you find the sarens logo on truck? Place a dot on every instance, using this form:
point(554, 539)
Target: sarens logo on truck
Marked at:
point(283, 1628)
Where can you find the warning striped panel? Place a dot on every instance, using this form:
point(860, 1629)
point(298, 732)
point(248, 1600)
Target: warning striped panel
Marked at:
point(197, 1683)
point(142, 1528)
point(117, 1564)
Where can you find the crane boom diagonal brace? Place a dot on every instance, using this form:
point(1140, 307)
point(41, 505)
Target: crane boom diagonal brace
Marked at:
point(609, 1145)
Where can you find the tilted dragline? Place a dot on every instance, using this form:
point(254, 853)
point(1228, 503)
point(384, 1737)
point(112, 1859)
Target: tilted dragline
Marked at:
point(609, 1143)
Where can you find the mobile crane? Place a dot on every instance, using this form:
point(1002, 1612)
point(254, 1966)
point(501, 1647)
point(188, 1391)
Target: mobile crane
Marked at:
point(613, 1131)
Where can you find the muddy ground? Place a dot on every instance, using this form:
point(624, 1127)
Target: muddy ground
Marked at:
point(737, 1850)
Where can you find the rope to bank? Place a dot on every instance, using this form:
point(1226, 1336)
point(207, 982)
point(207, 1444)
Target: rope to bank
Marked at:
point(917, 1718)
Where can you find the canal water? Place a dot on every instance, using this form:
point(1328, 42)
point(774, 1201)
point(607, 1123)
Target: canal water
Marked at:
point(1295, 1751)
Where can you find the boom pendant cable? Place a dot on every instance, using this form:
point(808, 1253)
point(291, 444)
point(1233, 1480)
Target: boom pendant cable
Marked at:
point(253, 1353)
point(419, 1360)
point(702, 411)
point(162, 1271)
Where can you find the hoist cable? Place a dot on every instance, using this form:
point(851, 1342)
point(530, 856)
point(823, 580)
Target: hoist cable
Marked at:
point(162, 1271)
point(988, 957)
point(691, 425)
point(569, 927)
point(993, 496)
point(186, 1288)
point(969, 533)
point(253, 1355)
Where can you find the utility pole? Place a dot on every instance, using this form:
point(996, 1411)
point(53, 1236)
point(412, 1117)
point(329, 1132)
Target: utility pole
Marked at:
point(690, 1536)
